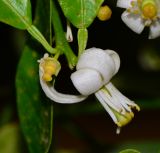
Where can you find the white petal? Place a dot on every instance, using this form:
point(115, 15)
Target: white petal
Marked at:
point(115, 58)
point(56, 96)
point(69, 35)
point(124, 3)
point(123, 100)
point(107, 108)
point(109, 100)
point(87, 81)
point(133, 21)
point(154, 30)
point(98, 59)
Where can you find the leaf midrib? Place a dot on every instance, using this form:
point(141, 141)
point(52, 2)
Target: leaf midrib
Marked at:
point(82, 8)
point(17, 13)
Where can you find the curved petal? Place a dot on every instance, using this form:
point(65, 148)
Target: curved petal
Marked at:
point(124, 3)
point(87, 81)
point(134, 22)
point(98, 59)
point(52, 94)
point(115, 58)
point(154, 30)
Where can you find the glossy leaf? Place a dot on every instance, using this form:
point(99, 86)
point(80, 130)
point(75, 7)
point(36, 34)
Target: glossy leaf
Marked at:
point(80, 13)
point(36, 114)
point(16, 13)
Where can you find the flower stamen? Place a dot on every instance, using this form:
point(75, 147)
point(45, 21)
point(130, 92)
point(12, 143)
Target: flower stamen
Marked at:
point(117, 105)
point(50, 66)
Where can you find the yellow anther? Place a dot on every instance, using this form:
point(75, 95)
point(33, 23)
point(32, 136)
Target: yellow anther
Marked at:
point(139, 2)
point(149, 10)
point(49, 62)
point(50, 67)
point(133, 3)
point(137, 108)
point(124, 119)
point(136, 11)
point(47, 77)
point(104, 13)
point(50, 70)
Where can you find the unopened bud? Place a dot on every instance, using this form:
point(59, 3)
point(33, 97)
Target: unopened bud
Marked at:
point(104, 13)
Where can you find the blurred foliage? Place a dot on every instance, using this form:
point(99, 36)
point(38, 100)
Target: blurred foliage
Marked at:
point(142, 147)
point(129, 151)
point(10, 139)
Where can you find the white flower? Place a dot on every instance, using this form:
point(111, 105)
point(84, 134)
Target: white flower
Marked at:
point(95, 69)
point(49, 67)
point(141, 13)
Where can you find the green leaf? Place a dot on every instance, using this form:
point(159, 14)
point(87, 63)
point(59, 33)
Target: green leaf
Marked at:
point(16, 13)
point(60, 38)
point(80, 13)
point(35, 113)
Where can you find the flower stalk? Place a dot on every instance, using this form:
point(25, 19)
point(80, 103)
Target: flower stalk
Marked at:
point(60, 38)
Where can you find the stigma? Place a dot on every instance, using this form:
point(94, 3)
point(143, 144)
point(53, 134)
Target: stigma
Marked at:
point(149, 10)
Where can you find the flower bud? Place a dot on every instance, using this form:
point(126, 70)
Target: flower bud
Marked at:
point(104, 13)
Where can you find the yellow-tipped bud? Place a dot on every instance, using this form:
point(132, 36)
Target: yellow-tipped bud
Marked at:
point(149, 10)
point(104, 13)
